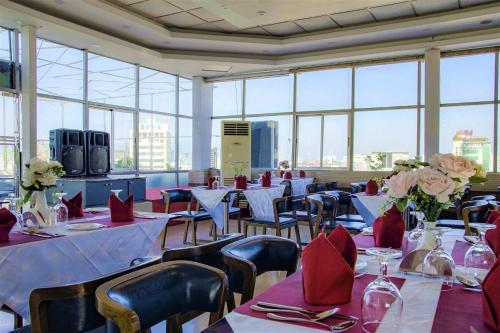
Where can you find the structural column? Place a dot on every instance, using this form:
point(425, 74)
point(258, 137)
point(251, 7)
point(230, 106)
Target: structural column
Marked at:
point(28, 92)
point(432, 102)
point(202, 129)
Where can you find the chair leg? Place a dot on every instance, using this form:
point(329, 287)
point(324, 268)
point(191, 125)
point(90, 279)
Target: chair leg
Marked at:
point(211, 231)
point(239, 223)
point(245, 228)
point(289, 235)
point(214, 228)
point(278, 232)
point(311, 230)
point(186, 231)
point(18, 321)
point(193, 231)
point(297, 235)
point(231, 304)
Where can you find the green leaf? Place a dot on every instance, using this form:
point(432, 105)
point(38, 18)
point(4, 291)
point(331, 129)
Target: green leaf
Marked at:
point(477, 180)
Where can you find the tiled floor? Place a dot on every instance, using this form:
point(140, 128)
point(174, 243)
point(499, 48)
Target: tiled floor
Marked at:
point(174, 239)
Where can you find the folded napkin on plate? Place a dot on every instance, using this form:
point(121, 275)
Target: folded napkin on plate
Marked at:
point(121, 211)
point(302, 174)
point(265, 180)
point(7, 221)
point(492, 236)
point(288, 175)
point(328, 268)
point(211, 182)
point(389, 229)
point(74, 205)
point(371, 187)
point(491, 298)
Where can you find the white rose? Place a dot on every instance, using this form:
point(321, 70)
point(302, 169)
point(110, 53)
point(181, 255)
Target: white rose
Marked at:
point(400, 184)
point(38, 166)
point(454, 166)
point(48, 179)
point(29, 178)
point(54, 164)
point(435, 183)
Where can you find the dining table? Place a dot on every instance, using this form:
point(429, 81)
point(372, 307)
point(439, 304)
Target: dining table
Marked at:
point(298, 185)
point(427, 306)
point(60, 255)
point(372, 206)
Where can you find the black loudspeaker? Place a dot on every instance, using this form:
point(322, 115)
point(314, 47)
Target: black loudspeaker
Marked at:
point(97, 153)
point(68, 148)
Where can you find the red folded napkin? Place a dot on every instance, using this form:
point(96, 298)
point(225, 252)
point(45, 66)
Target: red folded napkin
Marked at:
point(121, 211)
point(302, 174)
point(211, 182)
point(240, 182)
point(389, 229)
point(492, 236)
point(74, 205)
point(265, 180)
point(491, 298)
point(328, 268)
point(371, 188)
point(288, 175)
point(492, 215)
point(7, 221)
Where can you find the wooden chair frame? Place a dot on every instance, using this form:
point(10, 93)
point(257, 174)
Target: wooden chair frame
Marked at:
point(320, 216)
point(128, 321)
point(465, 214)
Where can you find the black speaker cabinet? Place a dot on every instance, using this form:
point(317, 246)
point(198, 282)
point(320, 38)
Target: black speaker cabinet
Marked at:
point(97, 153)
point(68, 147)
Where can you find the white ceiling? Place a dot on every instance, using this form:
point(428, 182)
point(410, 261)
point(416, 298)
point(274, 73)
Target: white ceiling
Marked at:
point(255, 35)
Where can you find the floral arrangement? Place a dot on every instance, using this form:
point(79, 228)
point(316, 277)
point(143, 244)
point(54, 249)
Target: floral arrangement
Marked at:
point(284, 165)
point(39, 176)
point(432, 187)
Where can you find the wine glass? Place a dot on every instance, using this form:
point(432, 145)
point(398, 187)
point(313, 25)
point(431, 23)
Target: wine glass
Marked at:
point(381, 301)
point(60, 209)
point(438, 263)
point(479, 258)
point(13, 204)
point(216, 183)
point(416, 234)
point(116, 192)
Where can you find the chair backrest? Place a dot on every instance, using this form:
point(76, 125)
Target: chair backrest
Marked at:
point(487, 197)
point(250, 257)
point(474, 212)
point(139, 300)
point(330, 186)
point(358, 187)
point(174, 196)
point(324, 207)
point(288, 188)
point(69, 308)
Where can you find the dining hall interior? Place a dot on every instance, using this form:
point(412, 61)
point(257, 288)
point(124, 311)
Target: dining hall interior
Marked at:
point(249, 166)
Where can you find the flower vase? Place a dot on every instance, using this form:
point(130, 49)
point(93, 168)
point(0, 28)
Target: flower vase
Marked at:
point(41, 206)
point(428, 240)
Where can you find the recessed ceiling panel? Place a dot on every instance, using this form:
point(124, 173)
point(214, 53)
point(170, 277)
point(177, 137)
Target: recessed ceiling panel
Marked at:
point(467, 3)
point(283, 29)
point(154, 8)
point(184, 4)
point(182, 19)
point(388, 12)
point(207, 26)
point(205, 14)
point(255, 31)
point(226, 26)
point(423, 7)
point(317, 23)
point(353, 18)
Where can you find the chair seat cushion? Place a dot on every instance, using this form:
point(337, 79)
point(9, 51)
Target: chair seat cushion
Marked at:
point(284, 221)
point(300, 214)
point(350, 217)
point(455, 224)
point(24, 329)
point(195, 214)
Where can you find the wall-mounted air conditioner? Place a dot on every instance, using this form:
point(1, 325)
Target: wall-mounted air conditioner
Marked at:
point(236, 149)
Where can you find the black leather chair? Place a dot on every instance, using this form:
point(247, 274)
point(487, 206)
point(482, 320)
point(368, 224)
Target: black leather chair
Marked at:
point(346, 208)
point(280, 205)
point(253, 256)
point(358, 187)
point(137, 301)
point(70, 308)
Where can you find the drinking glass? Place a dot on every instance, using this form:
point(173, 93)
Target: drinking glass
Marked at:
point(438, 263)
point(13, 203)
point(416, 234)
point(480, 257)
point(381, 301)
point(116, 192)
point(60, 209)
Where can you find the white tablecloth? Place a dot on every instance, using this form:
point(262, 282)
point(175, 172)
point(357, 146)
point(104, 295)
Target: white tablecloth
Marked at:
point(369, 206)
point(420, 298)
point(261, 200)
point(77, 257)
point(298, 184)
point(211, 201)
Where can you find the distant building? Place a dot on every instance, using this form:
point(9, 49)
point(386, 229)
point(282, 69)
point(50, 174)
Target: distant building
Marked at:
point(156, 144)
point(477, 149)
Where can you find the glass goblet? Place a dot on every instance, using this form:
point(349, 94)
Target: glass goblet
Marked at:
point(438, 263)
point(416, 234)
point(13, 208)
point(60, 209)
point(382, 301)
point(479, 258)
point(116, 192)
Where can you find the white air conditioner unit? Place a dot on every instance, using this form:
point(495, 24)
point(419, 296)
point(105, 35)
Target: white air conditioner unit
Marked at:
point(236, 149)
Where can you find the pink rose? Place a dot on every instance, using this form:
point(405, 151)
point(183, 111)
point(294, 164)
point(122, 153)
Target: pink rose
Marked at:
point(435, 183)
point(401, 183)
point(454, 166)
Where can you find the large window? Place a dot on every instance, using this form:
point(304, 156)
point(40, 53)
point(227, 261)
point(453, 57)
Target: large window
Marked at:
point(227, 98)
point(156, 142)
point(185, 143)
point(9, 134)
point(157, 91)
point(467, 116)
point(269, 95)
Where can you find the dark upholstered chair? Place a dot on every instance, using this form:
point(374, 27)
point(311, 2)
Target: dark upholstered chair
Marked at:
point(253, 256)
point(358, 187)
point(69, 308)
point(137, 301)
point(280, 205)
point(345, 206)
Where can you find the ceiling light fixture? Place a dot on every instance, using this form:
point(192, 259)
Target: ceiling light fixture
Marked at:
point(485, 22)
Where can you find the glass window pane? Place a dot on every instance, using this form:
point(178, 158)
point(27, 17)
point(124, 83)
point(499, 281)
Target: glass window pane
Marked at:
point(123, 140)
point(8, 119)
point(466, 131)
point(59, 70)
point(185, 144)
point(53, 114)
point(159, 180)
point(215, 151)
point(382, 137)
point(284, 126)
point(185, 97)
point(468, 78)
point(5, 43)
point(269, 95)
point(156, 142)
point(335, 141)
point(7, 160)
point(324, 90)
point(111, 81)
point(156, 91)
point(227, 98)
point(100, 120)
point(309, 145)
point(386, 85)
